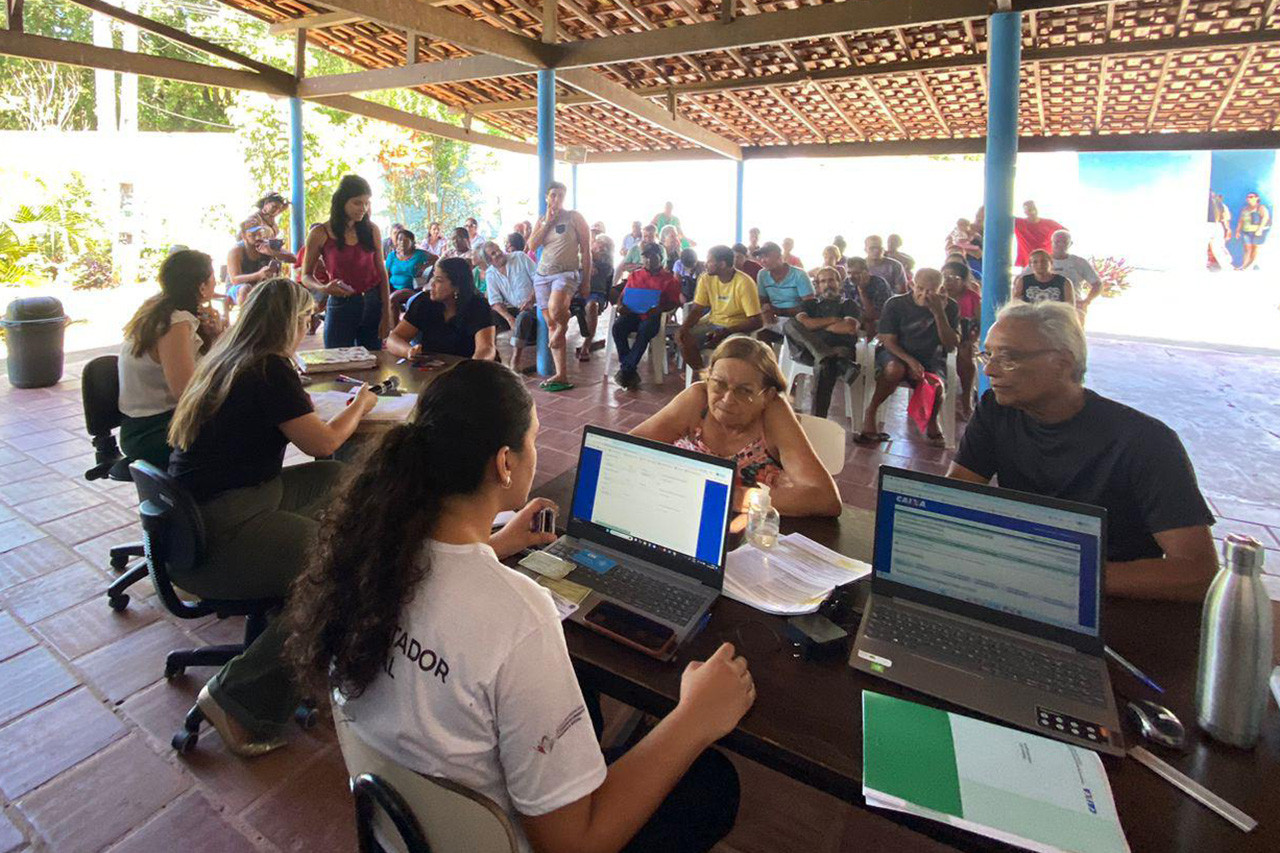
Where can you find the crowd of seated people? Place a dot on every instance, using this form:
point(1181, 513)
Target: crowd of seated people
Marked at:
point(419, 562)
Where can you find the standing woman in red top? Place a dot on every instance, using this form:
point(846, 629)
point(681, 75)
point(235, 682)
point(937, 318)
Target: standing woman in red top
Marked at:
point(359, 309)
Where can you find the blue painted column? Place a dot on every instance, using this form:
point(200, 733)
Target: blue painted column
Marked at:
point(737, 221)
point(298, 199)
point(573, 202)
point(1004, 57)
point(546, 174)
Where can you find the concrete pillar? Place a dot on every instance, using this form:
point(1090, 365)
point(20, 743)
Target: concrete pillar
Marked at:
point(297, 187)
point(737, 221)
point(546, 174)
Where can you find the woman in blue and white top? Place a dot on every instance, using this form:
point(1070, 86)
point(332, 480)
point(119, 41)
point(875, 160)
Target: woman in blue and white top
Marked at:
point(454, 665)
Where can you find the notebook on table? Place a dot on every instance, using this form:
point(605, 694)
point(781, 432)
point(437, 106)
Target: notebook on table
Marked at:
point(340, 358)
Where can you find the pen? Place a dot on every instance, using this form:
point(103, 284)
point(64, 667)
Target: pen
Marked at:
point(342, 377)
point(1133, 670)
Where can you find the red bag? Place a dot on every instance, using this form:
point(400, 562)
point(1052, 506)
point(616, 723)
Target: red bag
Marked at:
point(923, 398)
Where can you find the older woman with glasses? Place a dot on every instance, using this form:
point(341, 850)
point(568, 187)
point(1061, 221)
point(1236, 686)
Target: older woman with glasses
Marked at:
point(737, 412)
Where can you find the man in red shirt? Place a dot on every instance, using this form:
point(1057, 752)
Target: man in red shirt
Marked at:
point(653, 276)
point(1032, 232)
point(743, 260)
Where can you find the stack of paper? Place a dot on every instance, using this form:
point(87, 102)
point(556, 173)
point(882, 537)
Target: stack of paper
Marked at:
point(387, 409)
point(341, 358)
point(795, 576)
point(1019, 788)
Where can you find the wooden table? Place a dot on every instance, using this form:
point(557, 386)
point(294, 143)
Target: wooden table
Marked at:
point(807, 719)
point(412, 379)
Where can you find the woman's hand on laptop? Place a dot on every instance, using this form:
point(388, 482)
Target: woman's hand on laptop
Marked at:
point(715, 694)
point(518, 534)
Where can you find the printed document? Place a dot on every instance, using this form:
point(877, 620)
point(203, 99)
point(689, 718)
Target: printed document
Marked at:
point(795, 576)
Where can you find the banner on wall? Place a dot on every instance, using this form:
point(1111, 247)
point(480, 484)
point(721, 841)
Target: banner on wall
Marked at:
point(1239, 208)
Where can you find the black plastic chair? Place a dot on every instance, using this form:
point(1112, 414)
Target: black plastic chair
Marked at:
point(173, 533)
point(100, 394)
point(373, 793)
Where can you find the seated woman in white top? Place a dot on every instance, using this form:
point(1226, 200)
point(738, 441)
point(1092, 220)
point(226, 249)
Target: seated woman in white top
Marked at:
point(453, 665)
point(161, 345)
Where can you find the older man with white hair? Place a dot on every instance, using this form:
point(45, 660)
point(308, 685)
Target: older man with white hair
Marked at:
point(1040, 430)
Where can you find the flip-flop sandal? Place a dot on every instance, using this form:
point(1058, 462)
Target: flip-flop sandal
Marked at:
point(553, 387)
point(938, 440)
point(867, 439)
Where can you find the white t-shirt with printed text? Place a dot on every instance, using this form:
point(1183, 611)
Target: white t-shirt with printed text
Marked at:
point(479, 689)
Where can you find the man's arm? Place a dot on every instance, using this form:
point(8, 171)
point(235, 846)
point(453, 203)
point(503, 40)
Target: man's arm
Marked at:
point(947, 334)
point(693, 312)
point(914, 367)
point(815, 322)
point(748, 325)
point(1182, 574)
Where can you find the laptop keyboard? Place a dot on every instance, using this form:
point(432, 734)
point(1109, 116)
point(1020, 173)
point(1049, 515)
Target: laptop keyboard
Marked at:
point(957, 645)
point(633, 588)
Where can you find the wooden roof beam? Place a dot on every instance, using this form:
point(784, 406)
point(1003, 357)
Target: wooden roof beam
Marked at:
point(839, 110)
point(942, 63)
point(620, 96)
point(161, 67)
point(755, 116)
point(176, 35)
point(451, 27)
point(359, 106)
point(417, 74)
point(871, 89)
point(791, 108)
point(1245, 61)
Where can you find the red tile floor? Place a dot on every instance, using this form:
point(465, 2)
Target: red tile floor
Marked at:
point(85, 717)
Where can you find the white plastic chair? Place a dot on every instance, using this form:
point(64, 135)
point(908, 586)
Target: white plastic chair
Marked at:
point(657, 347)
point(828, 439)
point(950, 393)
point(854, 395)
point(450, 817)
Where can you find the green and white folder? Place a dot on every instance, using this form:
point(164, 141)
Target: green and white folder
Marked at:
point(1016, 787)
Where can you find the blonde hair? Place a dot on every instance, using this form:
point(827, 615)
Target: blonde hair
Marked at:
point(755, 353)
point(269, 324)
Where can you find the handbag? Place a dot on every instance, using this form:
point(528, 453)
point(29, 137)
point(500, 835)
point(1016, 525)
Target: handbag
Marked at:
point(923, 398)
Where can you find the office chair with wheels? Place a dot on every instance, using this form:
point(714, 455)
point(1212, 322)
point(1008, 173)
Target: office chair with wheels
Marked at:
point(173, 532)
point(100, 394)
point(414, 813)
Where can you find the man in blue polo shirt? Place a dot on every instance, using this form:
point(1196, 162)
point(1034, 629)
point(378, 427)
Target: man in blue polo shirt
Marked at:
point(783, 289)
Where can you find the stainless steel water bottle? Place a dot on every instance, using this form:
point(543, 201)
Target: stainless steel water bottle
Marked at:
point(1235, 647)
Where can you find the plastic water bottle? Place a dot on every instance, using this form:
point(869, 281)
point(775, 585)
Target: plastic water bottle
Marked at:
point(1235, 647)
point(762, 519)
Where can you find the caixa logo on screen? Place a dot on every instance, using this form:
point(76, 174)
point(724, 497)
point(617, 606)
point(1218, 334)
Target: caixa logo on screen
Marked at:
point(1088, 801)
point(909, 501)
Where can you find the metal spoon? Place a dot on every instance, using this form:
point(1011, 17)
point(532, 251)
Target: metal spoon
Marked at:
point(1157, 723)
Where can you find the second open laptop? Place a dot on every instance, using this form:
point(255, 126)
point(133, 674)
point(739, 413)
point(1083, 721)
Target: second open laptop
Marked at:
point(646, 533)
point(991, 599)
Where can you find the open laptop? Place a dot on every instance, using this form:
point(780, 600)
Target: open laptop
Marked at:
point(991, 599)
point(646, 531)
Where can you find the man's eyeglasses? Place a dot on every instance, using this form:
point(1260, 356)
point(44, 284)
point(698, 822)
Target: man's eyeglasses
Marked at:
point(745, 393)
point(1007, 359)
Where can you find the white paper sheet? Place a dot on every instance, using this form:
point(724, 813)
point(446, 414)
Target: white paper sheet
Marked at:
point(793, 577)
point(388, 409)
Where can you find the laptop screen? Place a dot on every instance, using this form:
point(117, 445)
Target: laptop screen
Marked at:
point(657, 502)
point(994, 548)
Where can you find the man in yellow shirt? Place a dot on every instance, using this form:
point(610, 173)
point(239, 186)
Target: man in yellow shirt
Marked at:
point(729, 301)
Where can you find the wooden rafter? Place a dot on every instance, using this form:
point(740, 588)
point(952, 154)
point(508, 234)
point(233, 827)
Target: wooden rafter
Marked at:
point(750, 112)
point(933, 102)
point(800, 116)
point(359, 106)
point(90, 56)
point(312, 22)
point(408, 76)
point(1035, 71)
point(1155, 100)
point(1100, 104)
point(175, 35)
point(1245, 62)
point(736, 132)
point(839, 110)
point(870, 88)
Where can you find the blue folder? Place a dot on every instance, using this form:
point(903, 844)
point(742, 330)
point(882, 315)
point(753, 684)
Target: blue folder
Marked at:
point(639, 300)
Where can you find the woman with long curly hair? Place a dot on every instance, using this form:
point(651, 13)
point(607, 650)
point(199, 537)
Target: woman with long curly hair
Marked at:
point(359, 308)
point(456, 666)
point(243, 406)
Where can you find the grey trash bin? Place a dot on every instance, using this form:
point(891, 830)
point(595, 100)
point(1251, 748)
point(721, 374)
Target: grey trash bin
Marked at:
point(34, 329)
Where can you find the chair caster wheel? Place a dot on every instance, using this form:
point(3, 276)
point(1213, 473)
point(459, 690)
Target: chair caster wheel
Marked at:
point(120, 562)
point(184, 741)
point(306, 717)
point(172, 671)
point(118, 603)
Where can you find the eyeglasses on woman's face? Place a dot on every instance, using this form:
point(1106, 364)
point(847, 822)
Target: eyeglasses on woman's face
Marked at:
point(746, 393)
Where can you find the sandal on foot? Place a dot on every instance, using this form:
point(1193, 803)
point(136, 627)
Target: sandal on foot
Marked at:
point(221, 722)
point(553, 387)
point(869, 438)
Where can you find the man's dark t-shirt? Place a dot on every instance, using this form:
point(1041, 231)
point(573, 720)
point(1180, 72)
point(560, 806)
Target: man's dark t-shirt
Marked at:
point(1053, 290)
point(916, 328)
point(1108, 455)
point(242, 445)
point(449, 337)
